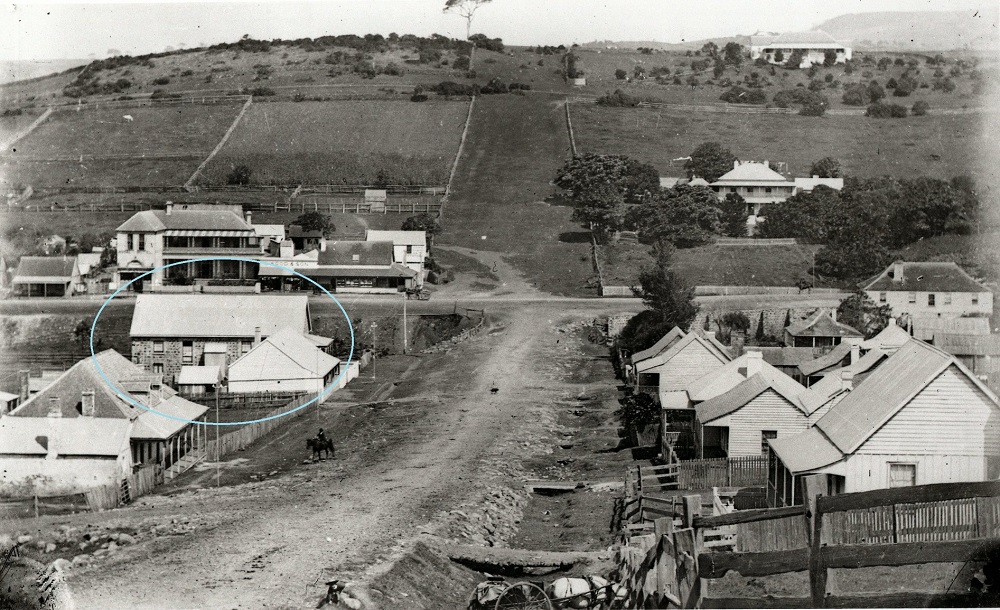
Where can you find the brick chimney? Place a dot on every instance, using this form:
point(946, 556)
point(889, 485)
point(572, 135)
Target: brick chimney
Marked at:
point(87, 403)
point(767, 164)
point(23, 385)
point(322, 245)
point(286, 249)
point(755, 363)
point(736, 164)
point(892, 322)
point(170, 208)
point(847, 380)
point(256, 336)
point(249, 217)
point(897, 271)
point(54, 414)
point(737, 341)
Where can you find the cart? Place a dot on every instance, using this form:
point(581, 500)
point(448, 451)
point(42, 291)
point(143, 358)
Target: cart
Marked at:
point(523, 596)
point(420, 294)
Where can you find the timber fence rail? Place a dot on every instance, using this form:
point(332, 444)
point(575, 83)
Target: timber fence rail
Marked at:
point(932, 524)
point(252, 400)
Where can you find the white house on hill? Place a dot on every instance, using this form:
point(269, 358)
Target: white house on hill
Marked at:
point(813, 45)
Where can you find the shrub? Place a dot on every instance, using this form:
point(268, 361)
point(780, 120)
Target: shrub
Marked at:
point(813, 108)
point(418, 97)
point(453, 88)
point(881, 110)
point(621, 74)
point(263, 92)
point(494, 86)
point(163, 80)
point(240, 175)
point(855, 95)
point(891, 84)
point(920, 108)
point(461, 63)
point(947, 85)
point(739, 95)
point(618, 99)
point(187, 73)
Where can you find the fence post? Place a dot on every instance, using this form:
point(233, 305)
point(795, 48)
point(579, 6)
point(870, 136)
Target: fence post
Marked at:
point(36, 505)
point(692, 507)
point(813, 489)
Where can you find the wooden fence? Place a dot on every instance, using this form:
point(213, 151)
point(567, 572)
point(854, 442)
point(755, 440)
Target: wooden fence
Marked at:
point(105, 497)
point(745, 471)
point(933, 524)
point(246, 435)
point(253, 400)
point(416, 204)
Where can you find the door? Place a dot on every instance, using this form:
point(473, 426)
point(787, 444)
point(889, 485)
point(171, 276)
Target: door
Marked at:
point(902, 475)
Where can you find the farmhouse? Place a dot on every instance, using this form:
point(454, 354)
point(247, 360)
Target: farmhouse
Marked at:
point(343, 266)
point(284, 362)
point(170, 331)
point(928, 292)
point(154, 238)
point(820, 330)
point(918, 417)
point(757, 183)
point(87, 410)
point(812, 45)
point(46, 276)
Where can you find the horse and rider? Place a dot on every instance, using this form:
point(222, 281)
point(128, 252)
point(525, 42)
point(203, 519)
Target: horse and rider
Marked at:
point(321, 446)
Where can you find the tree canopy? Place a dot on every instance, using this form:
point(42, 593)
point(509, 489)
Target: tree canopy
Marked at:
point(685, 216)
point(601, 186)
point(734, 215)
point(425, 222)
point(860, 312)
point(315, 221)
point(467, 9)
point(827, 167)
point(709, 161)
point(666, 294)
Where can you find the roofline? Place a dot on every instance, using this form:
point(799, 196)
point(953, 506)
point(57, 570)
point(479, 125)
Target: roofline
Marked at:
point(707, 421)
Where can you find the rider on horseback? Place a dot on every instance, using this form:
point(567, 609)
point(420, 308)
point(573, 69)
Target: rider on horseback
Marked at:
point(321, 436)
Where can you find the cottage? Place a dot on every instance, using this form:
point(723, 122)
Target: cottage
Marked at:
point(170, 331)
point(344, 266)
point(820, 330)
point(686, 360)
point(89, 263)
point(666, 341)
point(918, 417)
point(284, 362)
point(409, 248)
point(89, 409)
point(153, 238)
point(46, 276)
point(927, 292)
point(779, 48)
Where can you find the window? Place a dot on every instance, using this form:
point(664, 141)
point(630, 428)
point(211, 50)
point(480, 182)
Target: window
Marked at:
point(975, 299)
point(882, 297)
point(409, 249)
point(187, 352)
point(158, 368)
point(764, 436)
point(912, 297)
point(157, 347)
point(245, 346)
point(947, 298)
point(902, 475)
point(931, 299)
point(767, 189)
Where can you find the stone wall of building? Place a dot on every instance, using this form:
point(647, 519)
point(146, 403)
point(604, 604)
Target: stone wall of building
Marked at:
point(173, 353)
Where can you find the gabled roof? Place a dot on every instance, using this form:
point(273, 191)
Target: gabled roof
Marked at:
point(793, 38)
point(367, 253)
point(217, 315)
point(925, 277)
point(743, 393)
point(80, 436)
point(727, 377)
point(787, 356)
point(284, 355)
point(154, 221)
point(821, 324)
point(830, 359)
point(665, 342)
point(50, 268)
point(805, 451)
point(679, 346)
point(927, 327)
point(892, 337)
point(199, 375)
point(399, 238)
point(968, 345)
point(751, 172)
point(855, 418)
point(821, 392)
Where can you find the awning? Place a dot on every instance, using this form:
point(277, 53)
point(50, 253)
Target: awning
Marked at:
point(207, 233)
point(805, 451)
point(27, 279)
point(396, 271)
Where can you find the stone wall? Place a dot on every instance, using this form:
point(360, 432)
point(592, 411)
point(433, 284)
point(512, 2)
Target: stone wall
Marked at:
point(774, 319)
point(172, 355)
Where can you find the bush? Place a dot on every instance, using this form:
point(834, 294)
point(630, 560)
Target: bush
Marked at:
point(461, 63)
point(418, 97)
point(739, 95)
point(494, 86)
point(814, 108)
point(453, 88)
point(163, 80)
point(947, 85)
point(618, 99)
point(240, 175)
point(621, 74)
point(881, 110)
point(920, 108)
point(187, 73)
point(855, 95)
point(263, 92)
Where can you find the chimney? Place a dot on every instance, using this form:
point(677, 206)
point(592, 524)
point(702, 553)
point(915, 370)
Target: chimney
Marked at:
point(170, 208)
point(322, 245)
point(710, 334)
point(833, 314)
point(87, 403)
point(815, 176)
point(50, 443)
point(892, 322)
point(847, 380)
point(767, 164)
point(249, 217)
point(736, 164)
point(23, 385)
point(755, 362)
point(256, 336)
point(897, 271)
point(54, 410)
point(737, 340)
point(855, 352)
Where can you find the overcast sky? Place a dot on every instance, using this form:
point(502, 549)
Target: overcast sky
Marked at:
point(35, 30)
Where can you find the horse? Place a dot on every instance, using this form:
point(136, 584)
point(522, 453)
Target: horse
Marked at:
point(319, 446)
point(587, 592)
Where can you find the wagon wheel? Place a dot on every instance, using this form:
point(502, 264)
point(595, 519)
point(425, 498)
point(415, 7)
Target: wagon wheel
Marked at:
point(523, 596)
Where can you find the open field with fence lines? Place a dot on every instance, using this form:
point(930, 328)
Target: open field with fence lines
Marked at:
point(344, 142)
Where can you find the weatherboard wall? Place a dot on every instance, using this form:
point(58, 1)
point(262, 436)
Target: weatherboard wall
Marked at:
point(690, 363)
point(767, 411)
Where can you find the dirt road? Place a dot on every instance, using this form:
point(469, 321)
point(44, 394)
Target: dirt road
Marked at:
point(272, 544)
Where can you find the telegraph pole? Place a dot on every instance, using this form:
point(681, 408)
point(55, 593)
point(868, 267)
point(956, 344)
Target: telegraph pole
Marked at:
point(218, 463)
point(404, 322)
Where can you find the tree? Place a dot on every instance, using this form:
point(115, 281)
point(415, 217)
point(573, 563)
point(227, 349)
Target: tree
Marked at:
point(788, 318)
point(633, 179)
point(711, 49)
point(759, 335)
point(240, 175)
point(795, 59)
point(428, 223)
point(875, 91)
point(719, 68)
point(734, 215)
point(803, 216)
point(685, 216)
point(621, 74)
point(315, 221)
point(709, 161)
point(637, 410)
point(733, 54)
point(467, 9)
point(735, 320)
point(827, 167)
point(665, 294)
point(829, 58)
point(602, 208)
point(779, 56)
point(860, 312)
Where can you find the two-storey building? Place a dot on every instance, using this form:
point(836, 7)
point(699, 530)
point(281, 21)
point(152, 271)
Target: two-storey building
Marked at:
point(154, 238)
point(779, 48)
point(409, 248)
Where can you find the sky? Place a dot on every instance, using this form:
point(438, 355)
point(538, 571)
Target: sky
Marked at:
point(76, 30)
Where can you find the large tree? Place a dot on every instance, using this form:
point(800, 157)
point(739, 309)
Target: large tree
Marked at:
point(734, 215)
point(665, 293)
point(467, 9)
point(315, 221)
point(601, 187)
point(733, 54)
point(860, 312)
point(602, 208)
point(685, 216)
point(709, 161)
point(827, 167)
point(428, 223)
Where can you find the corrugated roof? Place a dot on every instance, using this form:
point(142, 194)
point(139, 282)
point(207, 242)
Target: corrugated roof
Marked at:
point(730, 375)
point(787, 356)
point(155, 426)
point(830, 359)
point(284, 355)
point(822, 324)
point(217, 315)
point(831, 384)
point(891, 337)
point(199, 375)
point(743, 393)
point(968, 345)
point(82, 436)
point(54, 267)
point(346, 253)
point(926, 277)
point(805, 451)
point(751, 172)
point(851, 421)
point(399, 238)
point(679, 346)
point(666, 341)
point(928, 327)
point(808, 184)
point(208, 220)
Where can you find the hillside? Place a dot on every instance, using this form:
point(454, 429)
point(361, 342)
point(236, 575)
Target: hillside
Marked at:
point(925, 31)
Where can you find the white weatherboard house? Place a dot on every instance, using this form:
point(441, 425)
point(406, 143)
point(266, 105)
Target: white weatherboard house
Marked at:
point(686, 360)
point(813, 46)
point(666, 341)
point(284, 362)
point(409, 248)
point(918, 417)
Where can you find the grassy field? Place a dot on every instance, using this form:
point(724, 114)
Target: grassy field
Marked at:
point(866, 147)
point(12, 124)
point(345, 142)
point(99, 172)
point(514, 147)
